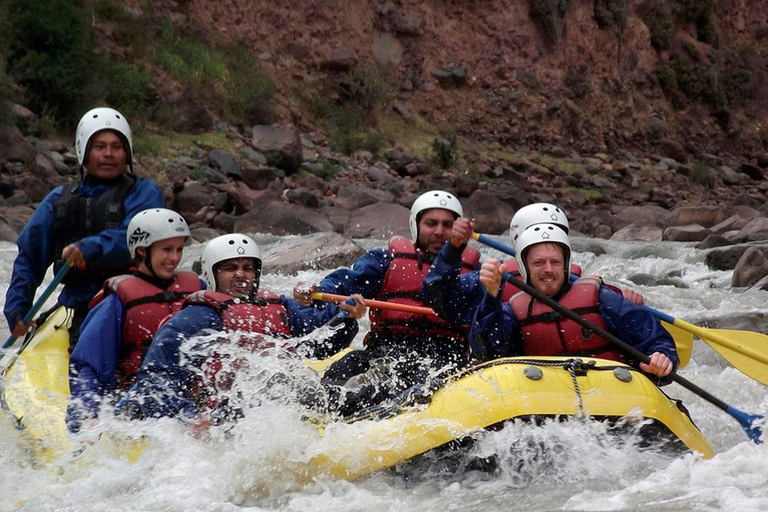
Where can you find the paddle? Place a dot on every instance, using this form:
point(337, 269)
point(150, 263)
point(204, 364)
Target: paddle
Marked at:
point(754, 432)
point(745, 350)
point(39, 304)
point(371, 303)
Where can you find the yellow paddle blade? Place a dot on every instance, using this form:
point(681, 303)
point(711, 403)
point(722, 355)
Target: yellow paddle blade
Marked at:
point(683, 343)
point(747, 351)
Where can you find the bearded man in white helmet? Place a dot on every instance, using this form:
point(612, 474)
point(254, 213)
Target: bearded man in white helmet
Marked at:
point(177, 380)
point(524, 325)
point(404, 349)
point(455, 294)
point(126, 313)
point(82, 224)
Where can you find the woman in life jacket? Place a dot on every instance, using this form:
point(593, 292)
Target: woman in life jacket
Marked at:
point(525, 326)
point(126, 313)
point(195, 358)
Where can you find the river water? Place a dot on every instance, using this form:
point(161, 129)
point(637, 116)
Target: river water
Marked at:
point(555, 466)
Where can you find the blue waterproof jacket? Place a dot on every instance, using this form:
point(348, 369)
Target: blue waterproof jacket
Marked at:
point(366, 276)
point(104, 249)
point(93, 365)
point(167, 373)
point(450, 293)
point(495, 333)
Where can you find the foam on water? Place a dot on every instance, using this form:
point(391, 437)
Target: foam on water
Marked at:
point(261, 462)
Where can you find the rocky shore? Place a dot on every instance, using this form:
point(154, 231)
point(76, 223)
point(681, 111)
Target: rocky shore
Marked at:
point(274, 179)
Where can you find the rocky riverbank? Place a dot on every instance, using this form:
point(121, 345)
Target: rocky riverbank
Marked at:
point(274, 179)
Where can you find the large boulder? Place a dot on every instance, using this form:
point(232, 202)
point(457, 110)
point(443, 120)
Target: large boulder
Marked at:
point(356, 196)
point(282, 219)
point(752, 266)
point(191, 200)
point(706, 216)
point(316, 251)
point(639, 232)
point(754, 230)
point(649, 215)
point(380, 220)
point(280, 145)
point(491, 214)
point(13, 146)
point(725, 258)
point(690, 233)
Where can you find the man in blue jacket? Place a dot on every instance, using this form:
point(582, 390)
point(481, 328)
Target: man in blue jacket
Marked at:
point(526, 326)
point(456, 294)
point(82, 224)
point(402, 349)
point(188, 374)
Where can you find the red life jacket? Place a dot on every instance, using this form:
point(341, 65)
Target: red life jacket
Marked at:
point(546, 333)
point(402, 285)
point(264, 314)
point(145, 306)
point(509, 290)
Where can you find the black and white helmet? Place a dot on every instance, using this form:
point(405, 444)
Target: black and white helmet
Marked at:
point(152, 225)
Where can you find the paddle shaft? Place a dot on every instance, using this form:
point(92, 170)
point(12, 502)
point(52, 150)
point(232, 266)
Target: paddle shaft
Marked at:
point(372, 303)
point(39, 304)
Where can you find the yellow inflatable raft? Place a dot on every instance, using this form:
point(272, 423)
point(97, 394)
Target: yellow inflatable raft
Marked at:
point(36, 393)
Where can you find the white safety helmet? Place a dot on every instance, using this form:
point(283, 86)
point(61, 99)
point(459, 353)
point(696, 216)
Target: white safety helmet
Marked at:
point(152, 225)
point(228, 247)
point(99, 119)
point(537, 213)
point(539, 234)
point(429, 200)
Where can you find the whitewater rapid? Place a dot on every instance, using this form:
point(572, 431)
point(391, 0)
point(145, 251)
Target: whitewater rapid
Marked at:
point(554, 466)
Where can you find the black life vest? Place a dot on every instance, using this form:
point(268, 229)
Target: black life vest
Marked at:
point(76, 217)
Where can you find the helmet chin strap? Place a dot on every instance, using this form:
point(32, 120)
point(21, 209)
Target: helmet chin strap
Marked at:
point(147, 261)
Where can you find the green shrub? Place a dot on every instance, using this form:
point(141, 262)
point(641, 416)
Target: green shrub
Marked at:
point(225, 78)
point(349, 131)
point(692, 50)
point(51, 56)
point(701, 173)
point(330, 169)
point(366, 87)
point(445, 149)
point(737, 85)
point(660, 24)
point(700, 12)
point(611, 12)
point(667, 78)
point(551, 14)
point(249, 93)
point(125, 86)
point(577, 80)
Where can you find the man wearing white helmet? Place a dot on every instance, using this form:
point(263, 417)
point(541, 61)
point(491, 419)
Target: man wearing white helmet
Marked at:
point(412, 345)
point(456, 295)
point(126, 313)
point(526, 326)
point(83, 223)
point(170, 385)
